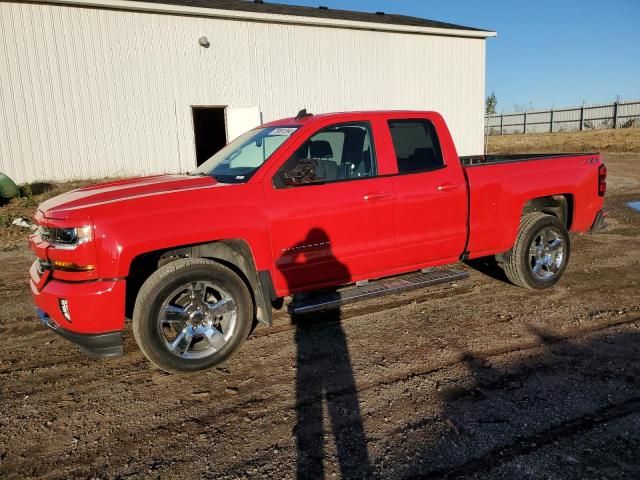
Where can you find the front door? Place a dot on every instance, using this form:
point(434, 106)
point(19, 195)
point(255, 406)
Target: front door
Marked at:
point(330, 215)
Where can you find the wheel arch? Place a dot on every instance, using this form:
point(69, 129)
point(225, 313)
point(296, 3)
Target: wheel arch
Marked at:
point(560, 206)
point(236, 254)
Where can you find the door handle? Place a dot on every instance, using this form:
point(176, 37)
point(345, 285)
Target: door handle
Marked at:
point(376, 196)
point(446, 187)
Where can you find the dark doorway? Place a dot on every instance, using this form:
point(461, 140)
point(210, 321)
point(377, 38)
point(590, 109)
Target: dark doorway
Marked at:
point(209, 129)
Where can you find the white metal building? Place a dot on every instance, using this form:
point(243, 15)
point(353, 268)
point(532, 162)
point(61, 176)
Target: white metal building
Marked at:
point(104, 88)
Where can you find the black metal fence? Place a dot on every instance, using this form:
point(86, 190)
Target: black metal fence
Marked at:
point(585, 117)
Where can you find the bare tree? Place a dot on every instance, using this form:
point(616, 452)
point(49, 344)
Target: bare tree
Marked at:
point(490, 106)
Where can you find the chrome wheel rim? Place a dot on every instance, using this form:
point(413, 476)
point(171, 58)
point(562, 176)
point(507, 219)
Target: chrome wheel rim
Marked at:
point(197, 320)
point(546, 253)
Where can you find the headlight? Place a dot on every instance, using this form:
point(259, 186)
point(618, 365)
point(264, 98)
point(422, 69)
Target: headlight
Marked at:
point(66, 237)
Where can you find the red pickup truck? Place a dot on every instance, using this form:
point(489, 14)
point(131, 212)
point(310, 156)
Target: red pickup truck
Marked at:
point(305, 204)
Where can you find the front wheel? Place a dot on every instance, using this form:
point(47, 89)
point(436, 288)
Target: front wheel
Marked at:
point(540, 254)
point(192, 314)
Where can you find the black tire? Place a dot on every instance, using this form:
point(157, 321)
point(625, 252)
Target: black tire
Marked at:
point(158, 287)
point(517, 265)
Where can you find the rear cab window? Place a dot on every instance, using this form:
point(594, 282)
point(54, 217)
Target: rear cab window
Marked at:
point(416, 145)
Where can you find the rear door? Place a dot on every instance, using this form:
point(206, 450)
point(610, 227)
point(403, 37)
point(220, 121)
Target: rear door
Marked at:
point(337, 225)
point(430, 193)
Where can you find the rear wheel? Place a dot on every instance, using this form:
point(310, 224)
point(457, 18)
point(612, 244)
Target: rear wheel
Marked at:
point(192, 314)
point(540, 254)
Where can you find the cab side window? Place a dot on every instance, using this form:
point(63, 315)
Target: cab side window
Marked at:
point(338, 152)
point(416, 145)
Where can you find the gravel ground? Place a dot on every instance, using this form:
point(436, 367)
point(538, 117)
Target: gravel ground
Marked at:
point(477, 379)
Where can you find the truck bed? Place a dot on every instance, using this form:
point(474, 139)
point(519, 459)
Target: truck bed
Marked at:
point(473, 160)
point(499, 192)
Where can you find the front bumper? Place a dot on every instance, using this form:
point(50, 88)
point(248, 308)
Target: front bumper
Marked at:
point(600, 222)
point(93, 306)
point(89, 314)
point(100, 345)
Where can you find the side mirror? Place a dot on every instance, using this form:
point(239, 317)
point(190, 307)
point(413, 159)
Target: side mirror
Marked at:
point(303, 174)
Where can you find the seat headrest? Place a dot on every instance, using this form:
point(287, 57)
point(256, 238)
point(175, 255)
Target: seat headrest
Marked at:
point(320, 149)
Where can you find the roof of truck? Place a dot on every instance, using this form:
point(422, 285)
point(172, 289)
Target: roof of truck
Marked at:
point(291, 121)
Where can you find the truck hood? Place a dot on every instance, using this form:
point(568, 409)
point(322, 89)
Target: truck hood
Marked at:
point(77, 203)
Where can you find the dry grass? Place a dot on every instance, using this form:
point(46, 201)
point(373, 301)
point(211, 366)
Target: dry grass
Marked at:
point(623, 140)
point(12, 236)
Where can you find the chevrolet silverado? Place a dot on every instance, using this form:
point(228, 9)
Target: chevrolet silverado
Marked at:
point(326, 208)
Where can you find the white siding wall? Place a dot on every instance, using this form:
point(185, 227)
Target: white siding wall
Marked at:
point(87, 93)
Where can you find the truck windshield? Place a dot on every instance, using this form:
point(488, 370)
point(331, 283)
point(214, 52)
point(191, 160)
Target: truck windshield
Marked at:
point(239, 160)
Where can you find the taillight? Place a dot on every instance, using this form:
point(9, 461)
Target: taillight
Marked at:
point(602, 180)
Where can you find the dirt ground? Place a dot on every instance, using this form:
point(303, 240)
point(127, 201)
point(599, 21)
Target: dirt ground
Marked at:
point(477, 379)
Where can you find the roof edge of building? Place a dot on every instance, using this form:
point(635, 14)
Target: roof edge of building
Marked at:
point(164, 8)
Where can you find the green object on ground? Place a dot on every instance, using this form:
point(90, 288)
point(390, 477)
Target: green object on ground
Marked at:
point(8, 189)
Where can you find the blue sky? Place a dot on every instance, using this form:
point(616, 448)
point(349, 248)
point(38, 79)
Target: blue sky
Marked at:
point(548, 53)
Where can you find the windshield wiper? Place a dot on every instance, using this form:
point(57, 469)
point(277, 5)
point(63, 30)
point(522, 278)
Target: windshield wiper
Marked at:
point(197, 174)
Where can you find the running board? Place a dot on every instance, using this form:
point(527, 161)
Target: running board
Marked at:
point(316, 302)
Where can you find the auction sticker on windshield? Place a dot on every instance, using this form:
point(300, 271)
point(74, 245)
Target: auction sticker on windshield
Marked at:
point(282, 131)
